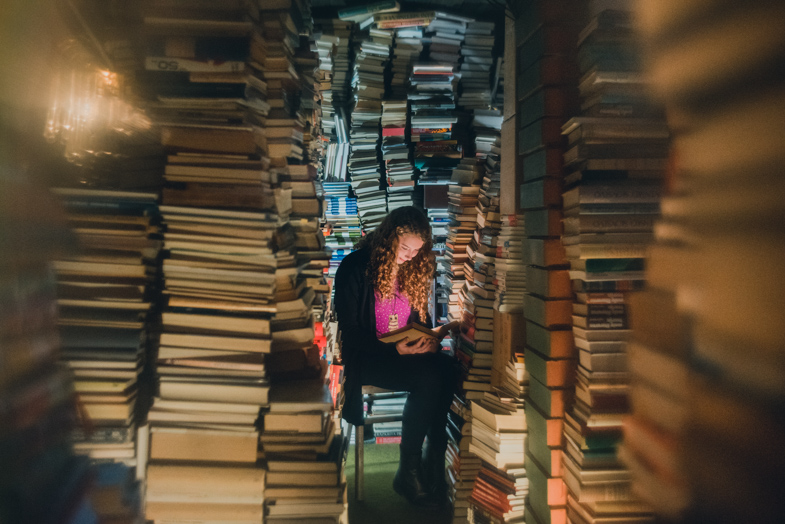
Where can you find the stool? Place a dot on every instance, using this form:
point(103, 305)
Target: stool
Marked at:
point(369, 393)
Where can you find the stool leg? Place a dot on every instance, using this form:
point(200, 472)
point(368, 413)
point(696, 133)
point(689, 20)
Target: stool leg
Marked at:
point(359, 466)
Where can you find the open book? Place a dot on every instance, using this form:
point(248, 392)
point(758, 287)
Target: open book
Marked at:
point(415, 331)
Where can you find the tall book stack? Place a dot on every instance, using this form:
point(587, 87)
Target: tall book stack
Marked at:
point(395, 154)
point(342, 223)
point(302, 179)
point(42, 480)
point(340, 33)
point(368, 83)
point(719, 243)
point(477, 65)
point(510, 269)
point(439, 218)
point(462, 465)
point(308, 66)
point(107, 319)
point(304, 453)
point(232, 285)
point(614, 169)
point(444, 36)
point(546, 93)
point(463, 221)
point(499, 434)
point(407, 50)
point(325, 47)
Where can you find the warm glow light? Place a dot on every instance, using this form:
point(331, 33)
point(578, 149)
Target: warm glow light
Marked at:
point(87, 106)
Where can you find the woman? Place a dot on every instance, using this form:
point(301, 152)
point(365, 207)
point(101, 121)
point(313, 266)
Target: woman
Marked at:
point(383, 286)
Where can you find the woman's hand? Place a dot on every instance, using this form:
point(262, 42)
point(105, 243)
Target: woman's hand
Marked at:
point(421, 345)
point(443, 331)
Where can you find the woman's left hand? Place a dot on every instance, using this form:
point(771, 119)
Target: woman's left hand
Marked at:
point(421, 345)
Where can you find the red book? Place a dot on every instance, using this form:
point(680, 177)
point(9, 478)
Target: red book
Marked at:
point(389, 440)
point(393, 131)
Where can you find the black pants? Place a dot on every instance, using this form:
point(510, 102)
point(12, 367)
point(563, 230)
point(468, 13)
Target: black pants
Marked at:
point(430, 380)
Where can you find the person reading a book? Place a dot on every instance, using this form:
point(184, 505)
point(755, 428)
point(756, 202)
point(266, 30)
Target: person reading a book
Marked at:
point(382, 287)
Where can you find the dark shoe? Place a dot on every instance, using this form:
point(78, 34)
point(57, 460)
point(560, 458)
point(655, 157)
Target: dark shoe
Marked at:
point(434, 480)
point(407, 481)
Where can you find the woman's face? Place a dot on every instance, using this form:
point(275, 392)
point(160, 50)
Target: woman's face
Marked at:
point(408, 247)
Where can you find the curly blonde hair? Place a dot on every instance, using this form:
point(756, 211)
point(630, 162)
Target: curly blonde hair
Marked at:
point(414, 276)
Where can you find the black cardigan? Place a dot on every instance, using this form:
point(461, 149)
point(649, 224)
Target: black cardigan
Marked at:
point(355, 308)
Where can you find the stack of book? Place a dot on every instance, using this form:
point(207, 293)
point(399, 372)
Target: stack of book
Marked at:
point(387, 404)
point(478, 63)
point(407, 50)
point(432, 116)
point(237, 303)
point(342, 225)
point(509, 267)
point(205, 491)
point(42, 479)
point(308, 65)
point(546, 96)
point(439, 218)
point(324, 45)
point(372, 54)
point(462, 201)
point(719, 244)
point(364, 14)
point(462, 465)
point(105, 297)
point(395, 154)
point(444, 35)
point(613, 185)
point(499, 434)
point(339, 32)
point(304, 453)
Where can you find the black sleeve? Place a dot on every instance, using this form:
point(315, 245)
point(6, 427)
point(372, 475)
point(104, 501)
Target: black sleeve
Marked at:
point(355, 337)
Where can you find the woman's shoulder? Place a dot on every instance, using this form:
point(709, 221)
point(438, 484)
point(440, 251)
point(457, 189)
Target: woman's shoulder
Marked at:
point(356, 260)
point(358, 257)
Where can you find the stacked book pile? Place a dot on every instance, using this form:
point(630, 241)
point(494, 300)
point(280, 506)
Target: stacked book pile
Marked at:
point(510, 268)
point(395, 154)
point(105, 297)
point(307, 63)
point(444, 34)
point(546, 296)
point(487, 126)
point(407, 50)
point(462, 465)
point(42, 479)
point(478, 63)
point(342, 225)
point(372, 54)
point(386, 404)
point(546, 96)
point(234, 291)
point(462, 201)
point(324, 45)
point(432, 116)
point(439, 218)
point(719, 243)
point(499, 434)
point(304, 453)
point(339, 32)
point(612, 191)
point(332, 43)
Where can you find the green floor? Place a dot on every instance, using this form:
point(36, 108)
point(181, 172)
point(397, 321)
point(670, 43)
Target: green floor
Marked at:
point(382, 505)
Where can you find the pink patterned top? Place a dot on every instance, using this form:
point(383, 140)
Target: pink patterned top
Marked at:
point(391, 313)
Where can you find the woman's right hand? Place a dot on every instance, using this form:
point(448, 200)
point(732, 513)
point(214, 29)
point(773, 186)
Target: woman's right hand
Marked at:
point(421, 345)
